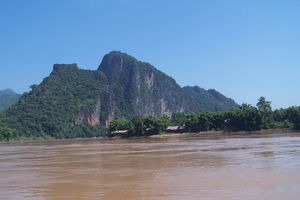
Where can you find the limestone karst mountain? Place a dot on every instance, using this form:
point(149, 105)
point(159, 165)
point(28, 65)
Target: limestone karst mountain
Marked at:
point(71, 100)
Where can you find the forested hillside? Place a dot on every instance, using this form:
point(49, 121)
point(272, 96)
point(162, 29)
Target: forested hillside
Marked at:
point(8, 98)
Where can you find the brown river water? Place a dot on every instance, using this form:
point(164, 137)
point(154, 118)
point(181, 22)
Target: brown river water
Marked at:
point(211, 168)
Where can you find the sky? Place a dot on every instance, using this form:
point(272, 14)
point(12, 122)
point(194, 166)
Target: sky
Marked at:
point(244, 49)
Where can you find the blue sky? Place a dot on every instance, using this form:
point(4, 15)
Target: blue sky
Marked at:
point(244, 49)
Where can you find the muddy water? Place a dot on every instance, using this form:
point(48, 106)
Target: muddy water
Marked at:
point(256, 167)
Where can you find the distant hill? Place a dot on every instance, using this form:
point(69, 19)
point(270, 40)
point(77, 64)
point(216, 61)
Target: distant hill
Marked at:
point(210, 100)
point(8, 98)
point(72, 102)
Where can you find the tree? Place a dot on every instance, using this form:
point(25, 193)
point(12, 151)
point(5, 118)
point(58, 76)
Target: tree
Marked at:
point(192, 122)
point(247, 118)
point(6, 133)
point(265, 108)
point(139, 128)
point(204, 121)
point(178, 119)
point(218, 121)
point(155, 125)
point(296, 120)
point(121, 124)
point(264, 105)
point(250, 118)
point(231, 120)
point(293, 115)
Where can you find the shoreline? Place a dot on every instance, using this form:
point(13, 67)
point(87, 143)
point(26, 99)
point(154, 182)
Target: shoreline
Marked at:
point(24, 140)
point(225, 133)
point(166, 135)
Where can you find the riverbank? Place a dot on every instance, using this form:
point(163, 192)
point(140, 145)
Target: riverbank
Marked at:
point(51, 139)
point(164, 135)
point(221, 133)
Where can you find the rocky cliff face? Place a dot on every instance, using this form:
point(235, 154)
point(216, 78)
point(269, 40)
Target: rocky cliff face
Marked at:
point(140, 89)
point(91, 118)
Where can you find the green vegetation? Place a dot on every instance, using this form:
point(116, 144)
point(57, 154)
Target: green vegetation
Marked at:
point(246, 118)
point(207, 100)
point(50, 109)
point(140, 126)
point(8, 98)
point(121, 124)
point(288, 116)
point(6, 133)
point(154, 125)
point(266, 112)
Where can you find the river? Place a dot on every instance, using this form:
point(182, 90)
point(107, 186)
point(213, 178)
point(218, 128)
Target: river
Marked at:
point(209, 168)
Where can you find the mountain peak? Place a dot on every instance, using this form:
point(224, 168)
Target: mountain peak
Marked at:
point(115, 59)
point(117, 53)
point(7, 91)
point(7, 98)
point(116, 65)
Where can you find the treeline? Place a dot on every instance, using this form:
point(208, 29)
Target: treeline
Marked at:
point(246, 118)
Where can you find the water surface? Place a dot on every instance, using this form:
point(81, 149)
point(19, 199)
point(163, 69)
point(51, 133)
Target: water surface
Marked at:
point(210, 168)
